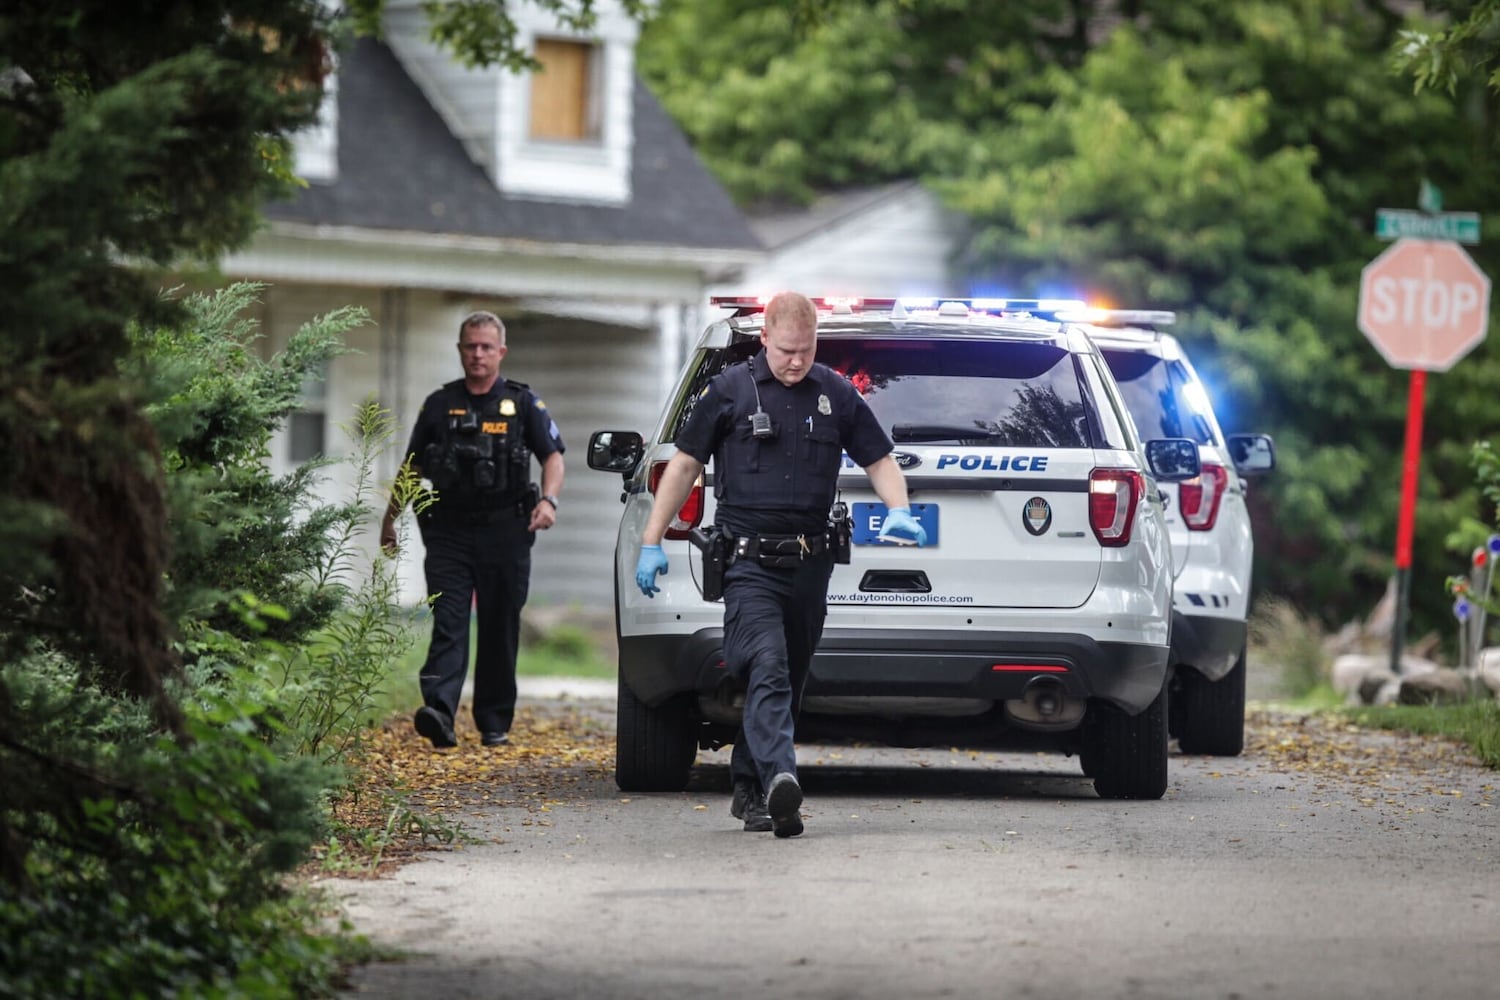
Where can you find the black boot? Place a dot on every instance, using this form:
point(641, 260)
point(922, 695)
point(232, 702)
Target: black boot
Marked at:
point(749, 805)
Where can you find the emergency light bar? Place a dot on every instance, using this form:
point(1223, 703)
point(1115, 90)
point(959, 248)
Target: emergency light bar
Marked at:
point(1118, 317)
point(748, 305)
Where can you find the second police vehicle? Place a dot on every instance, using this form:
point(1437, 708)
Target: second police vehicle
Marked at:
point(1207, 519)
point(1038, 615)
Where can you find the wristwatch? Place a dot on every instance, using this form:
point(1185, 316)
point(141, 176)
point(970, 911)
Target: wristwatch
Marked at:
point(550, 499)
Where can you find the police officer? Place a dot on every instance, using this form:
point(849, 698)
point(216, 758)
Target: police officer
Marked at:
point(473, 440)
point(776, 428)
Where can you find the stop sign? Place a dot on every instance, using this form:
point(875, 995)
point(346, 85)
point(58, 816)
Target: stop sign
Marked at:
point(1424, 304)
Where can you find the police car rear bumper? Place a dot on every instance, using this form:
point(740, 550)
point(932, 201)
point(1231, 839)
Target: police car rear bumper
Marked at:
point(905, 664)
point(1209, 645)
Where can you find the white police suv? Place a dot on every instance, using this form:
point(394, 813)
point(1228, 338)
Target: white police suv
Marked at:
point(1207, 520)
point(1038, 614)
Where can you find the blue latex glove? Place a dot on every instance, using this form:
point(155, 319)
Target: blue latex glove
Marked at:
point(901, 528)
point(652, 561)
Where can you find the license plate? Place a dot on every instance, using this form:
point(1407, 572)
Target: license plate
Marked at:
point(868, 517)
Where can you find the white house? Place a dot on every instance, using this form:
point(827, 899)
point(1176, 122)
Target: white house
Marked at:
point(888, 240)
point(566, 201)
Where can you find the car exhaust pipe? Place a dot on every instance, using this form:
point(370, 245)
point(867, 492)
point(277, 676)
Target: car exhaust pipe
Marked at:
point(1044, 704)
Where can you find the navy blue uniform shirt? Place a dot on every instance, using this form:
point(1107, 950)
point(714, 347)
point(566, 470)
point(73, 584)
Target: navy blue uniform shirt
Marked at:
point(785, 485)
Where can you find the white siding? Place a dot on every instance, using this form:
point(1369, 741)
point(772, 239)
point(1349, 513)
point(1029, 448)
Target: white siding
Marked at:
point(574, 172)
point(468, 100)
point(898, 247)
point(592, 376)
point(488, 108)
point(315, 149)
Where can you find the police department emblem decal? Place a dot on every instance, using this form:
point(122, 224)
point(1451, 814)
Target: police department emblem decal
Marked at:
point(1037, 515)
point(823, 406)
point(507, 408)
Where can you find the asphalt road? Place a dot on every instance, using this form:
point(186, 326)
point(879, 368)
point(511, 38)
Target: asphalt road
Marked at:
point(1323, 863)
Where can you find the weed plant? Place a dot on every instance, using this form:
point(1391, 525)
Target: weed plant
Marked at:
point(1293, 643)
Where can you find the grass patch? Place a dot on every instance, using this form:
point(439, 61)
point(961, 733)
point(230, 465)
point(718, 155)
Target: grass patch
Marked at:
point(565, 651)
point(1476, 723)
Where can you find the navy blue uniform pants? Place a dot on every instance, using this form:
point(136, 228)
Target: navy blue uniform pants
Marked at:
point(773, 619)
point(486, 566)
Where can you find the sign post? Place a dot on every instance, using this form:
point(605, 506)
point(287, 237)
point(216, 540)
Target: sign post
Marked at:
point(1424, 304)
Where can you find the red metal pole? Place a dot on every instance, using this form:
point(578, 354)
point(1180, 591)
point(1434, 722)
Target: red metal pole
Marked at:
point(1409, 468)
point(1410, 465)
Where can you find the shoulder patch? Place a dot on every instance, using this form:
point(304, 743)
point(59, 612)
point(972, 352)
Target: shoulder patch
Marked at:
point(539, 404)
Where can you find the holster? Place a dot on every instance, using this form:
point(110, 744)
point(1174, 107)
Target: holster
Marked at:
point(840, 532)
point(532, 498)
point(714, 545)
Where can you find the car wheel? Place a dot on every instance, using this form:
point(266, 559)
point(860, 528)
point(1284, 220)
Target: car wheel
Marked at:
point(1213, 712)
point(1126, 755)
point(654, 746)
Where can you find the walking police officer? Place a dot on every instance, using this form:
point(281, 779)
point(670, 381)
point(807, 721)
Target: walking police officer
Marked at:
point(473, 440)
point(776, 428)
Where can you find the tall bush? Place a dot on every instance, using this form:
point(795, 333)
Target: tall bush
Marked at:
point(144, 858)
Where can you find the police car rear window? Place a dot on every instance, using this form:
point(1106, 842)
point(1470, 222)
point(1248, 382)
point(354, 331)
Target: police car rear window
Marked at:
point(966, 391)
point(1155, 393)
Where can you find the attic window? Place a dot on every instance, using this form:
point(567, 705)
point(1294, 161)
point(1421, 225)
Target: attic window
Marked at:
point(564, 92)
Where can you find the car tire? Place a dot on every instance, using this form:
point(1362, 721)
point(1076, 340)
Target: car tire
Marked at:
point(654, 746)
point(1213, 712)
point(1126, 755)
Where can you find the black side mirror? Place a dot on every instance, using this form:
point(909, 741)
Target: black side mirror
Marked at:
point(615, 451)
point(1251, 453)
point(1173, 459)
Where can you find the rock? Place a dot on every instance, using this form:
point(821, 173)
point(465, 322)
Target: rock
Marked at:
point(1350, 670)
point(1377, 685)
point(1382, 619)
point(1417, 666)
point(1488, 669)
point(1389, 692)
point(1443, 686)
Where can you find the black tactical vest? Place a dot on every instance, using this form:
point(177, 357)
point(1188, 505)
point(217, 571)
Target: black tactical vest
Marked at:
point(480, 461)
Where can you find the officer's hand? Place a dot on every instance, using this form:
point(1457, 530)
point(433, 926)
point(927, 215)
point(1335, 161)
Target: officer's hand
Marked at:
point(543, 516)
point(901, 528)
point(653, 561)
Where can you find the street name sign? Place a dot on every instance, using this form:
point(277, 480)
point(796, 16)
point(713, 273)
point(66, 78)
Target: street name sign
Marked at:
point(1394, 223)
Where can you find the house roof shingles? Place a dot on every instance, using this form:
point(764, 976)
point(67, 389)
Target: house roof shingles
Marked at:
point(400, 168)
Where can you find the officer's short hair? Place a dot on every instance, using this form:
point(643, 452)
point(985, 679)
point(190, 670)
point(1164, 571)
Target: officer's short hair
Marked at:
point(481, 317)
point(791, 309)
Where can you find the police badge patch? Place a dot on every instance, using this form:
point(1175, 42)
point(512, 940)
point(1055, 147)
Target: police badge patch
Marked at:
point(507, 407)
point(1036, 515)
point(824, 407)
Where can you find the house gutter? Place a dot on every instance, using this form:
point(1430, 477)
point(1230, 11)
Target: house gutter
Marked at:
point(302, 252)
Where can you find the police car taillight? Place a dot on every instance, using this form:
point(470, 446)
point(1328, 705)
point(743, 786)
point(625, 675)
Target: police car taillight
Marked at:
point(1198, 499)
point(1113, 497)
point(690, 513)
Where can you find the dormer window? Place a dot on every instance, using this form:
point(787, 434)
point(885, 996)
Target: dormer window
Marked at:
point(565, 92)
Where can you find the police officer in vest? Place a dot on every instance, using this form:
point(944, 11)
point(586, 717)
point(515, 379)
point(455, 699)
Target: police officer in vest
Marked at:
point(776, 428)
point(474, 439)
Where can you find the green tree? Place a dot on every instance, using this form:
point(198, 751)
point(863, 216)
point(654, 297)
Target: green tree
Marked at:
point(1453, 43)
point(146, 821)
point(1223, 160)
point(182, 649)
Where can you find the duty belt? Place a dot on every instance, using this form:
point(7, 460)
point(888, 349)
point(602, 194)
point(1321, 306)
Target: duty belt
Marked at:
point(505, 512)
point(778, 551)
